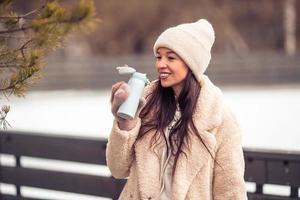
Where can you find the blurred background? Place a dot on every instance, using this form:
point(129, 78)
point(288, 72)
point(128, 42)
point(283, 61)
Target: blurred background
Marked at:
point(255, 61)
point(255, 41)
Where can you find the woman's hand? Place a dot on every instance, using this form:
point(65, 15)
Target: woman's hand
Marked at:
point(119, 93)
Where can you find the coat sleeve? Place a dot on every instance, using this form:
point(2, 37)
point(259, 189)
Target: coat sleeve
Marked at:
point(228, 181)
point(119, 148)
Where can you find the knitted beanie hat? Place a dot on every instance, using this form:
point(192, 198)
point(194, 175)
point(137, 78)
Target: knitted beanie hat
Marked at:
point(192, 42)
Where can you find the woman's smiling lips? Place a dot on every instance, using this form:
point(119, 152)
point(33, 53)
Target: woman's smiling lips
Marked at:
point(164, 75)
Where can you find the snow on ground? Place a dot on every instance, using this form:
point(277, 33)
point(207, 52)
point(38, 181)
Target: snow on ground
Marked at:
point(269, 119)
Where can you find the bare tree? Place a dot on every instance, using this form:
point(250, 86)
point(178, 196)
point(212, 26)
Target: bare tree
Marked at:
point(290, 26)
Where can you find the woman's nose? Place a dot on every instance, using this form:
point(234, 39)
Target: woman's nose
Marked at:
point(161, 64)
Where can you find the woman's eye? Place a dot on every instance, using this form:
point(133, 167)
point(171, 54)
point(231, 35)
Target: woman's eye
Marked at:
point(158, 57)
point(171, 58)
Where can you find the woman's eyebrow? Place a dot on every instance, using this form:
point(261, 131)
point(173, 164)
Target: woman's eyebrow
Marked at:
point(171, 52)
point(167, 52)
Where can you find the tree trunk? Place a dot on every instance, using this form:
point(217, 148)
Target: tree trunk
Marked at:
point(289, 23)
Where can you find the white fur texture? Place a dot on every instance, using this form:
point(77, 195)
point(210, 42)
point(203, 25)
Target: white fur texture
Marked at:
point(197, 176)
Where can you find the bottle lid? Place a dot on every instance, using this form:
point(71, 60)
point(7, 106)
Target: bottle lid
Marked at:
point(125, 69)
point(141, 76)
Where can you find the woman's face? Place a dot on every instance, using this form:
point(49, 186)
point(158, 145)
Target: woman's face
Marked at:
point(171, 69)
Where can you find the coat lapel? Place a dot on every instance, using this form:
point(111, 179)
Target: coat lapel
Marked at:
point(148, 168)
point(207, 116)
point(188, 167)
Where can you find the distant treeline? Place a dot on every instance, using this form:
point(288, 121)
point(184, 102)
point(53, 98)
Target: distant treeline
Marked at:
point(132, 26)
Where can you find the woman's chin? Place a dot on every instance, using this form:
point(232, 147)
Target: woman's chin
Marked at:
point(164, 83)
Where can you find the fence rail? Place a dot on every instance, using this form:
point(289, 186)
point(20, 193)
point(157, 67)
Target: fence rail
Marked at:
point(256, 68)
point(262, 167)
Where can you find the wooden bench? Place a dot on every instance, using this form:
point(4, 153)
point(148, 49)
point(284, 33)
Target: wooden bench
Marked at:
point(262, 167)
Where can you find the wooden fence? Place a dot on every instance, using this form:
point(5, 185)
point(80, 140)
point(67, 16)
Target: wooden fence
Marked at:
point(262, 167)
point(256, 68)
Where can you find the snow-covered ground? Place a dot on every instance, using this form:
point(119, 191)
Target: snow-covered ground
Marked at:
point(268, 116)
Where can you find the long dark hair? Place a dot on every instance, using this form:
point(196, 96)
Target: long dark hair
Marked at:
point(159, 112)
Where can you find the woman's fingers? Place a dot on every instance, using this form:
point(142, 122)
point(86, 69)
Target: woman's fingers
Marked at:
point(114, 88)
point(119, 93)
point(119, 96)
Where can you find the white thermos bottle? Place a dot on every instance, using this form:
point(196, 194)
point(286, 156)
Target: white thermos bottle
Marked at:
point(137, 83)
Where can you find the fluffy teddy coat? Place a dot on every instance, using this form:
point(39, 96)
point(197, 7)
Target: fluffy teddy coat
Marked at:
point(197, 176)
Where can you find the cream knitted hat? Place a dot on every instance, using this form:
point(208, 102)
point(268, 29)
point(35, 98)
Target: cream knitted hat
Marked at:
point(192, 42)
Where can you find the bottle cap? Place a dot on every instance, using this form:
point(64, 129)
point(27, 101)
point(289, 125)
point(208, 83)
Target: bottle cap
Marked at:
point(125, 69)
point(141, 76)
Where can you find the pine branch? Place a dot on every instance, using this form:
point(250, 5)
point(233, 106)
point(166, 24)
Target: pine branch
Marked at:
point(24, 46)
point(47, 23)
point(13, 37)
point(6, 65)
point(24, 16)
point(18, 82)
point(41, 34)
point(9, 61)
point(5, 53)
point(42, 31)
point(16, 30)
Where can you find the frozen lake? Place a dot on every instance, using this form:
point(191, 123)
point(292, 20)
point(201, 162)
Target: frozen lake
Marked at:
point(268, 116)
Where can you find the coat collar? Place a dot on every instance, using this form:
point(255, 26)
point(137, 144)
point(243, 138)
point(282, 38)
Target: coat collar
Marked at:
point(207, 116)
point(209, 106)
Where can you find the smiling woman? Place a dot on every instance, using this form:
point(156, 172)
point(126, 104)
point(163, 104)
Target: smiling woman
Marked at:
point(184, 143)
point(171, 69)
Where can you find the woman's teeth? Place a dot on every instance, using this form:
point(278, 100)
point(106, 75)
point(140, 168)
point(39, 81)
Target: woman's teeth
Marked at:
point(164, 75)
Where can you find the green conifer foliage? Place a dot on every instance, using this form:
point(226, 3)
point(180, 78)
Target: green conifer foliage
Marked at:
point(26, 39)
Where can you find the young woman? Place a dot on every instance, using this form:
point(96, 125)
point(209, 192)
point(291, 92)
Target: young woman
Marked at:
point(184, 143)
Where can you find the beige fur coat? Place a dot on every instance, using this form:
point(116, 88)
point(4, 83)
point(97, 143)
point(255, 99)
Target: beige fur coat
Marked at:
point(196, 177)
